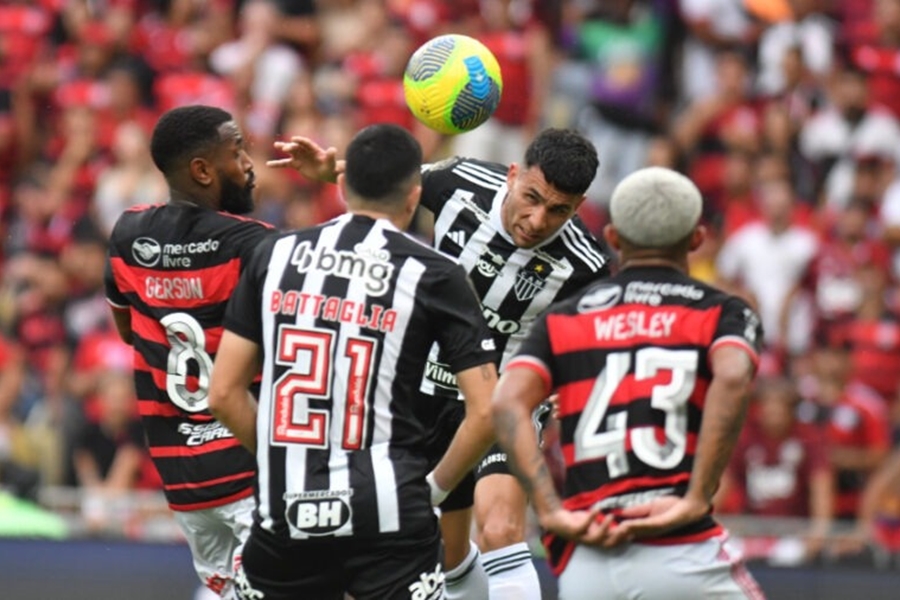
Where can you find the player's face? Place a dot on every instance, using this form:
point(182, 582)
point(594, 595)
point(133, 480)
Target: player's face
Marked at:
point(534, 210)
point(235, 171)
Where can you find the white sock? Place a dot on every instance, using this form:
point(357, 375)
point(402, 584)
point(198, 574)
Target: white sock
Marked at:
point(511, 573)
point(467, 580)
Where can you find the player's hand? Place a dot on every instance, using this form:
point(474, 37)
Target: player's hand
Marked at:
point(656, 517)
point(309, 159)
point(578, 525)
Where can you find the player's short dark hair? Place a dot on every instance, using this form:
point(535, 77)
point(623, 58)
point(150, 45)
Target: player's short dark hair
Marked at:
point(183, 132)
point(567, 159)
point(380, 160)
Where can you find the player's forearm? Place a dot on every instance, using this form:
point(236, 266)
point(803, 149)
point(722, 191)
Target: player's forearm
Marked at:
point(236, 410)
point(518, 438)
point(471, 442)
point(723, 417)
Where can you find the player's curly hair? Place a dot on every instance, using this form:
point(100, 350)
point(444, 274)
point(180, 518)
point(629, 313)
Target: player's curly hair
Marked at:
point(381, 163)
point(567, 159)
point(183, 132)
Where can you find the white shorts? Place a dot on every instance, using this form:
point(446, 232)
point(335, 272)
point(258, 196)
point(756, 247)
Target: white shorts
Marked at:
point(712, 568)
point(216, 536)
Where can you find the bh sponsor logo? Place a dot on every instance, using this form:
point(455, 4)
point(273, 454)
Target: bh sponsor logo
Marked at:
point(319, 513)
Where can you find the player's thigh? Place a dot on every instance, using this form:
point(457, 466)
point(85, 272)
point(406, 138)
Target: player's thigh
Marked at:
point(275, 571)
point(215, 536)
point(397, 569)
point(500, 503)
point(456, 526)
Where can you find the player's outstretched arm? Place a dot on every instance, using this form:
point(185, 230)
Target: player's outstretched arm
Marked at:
point(723, 416)
point(309, 159)
point(474, 435)
point(236, 364)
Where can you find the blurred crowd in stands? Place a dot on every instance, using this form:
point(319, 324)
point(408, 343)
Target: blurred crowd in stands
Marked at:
point(786, 113)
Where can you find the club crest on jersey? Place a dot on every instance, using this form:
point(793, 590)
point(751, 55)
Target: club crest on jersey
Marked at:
point(531, 281)
point(146, 251)
point(489, 263)
point(318, 513)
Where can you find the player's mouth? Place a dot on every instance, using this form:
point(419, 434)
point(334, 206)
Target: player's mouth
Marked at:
point(528, 238)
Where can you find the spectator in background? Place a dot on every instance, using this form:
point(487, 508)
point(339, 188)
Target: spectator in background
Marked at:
point(780, 467)
point(808, 28)
point(627, 92)
point(110, 455)
point(711, 25)
point(871, 333)
point(129, 180)
point(846, 246)
point(847, 127)
point(261, 69)
point(19, 454)
point(856, 424)
point(766, 261)
point(726, 120)
point(878, 54)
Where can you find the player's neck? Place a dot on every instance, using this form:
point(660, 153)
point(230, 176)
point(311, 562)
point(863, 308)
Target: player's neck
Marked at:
point(399, 221)
point(179, 197)
point(633, 262)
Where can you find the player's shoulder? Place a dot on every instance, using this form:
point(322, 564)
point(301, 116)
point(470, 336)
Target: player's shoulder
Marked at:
point(478, 177)
point(582, 248)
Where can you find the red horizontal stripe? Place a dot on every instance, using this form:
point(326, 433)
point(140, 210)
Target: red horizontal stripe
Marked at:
point(245, 493)
point(568, 450)
point(187, 451)
point(153, 408)
point(573, 333)
point(210, 482)
point(217, 282)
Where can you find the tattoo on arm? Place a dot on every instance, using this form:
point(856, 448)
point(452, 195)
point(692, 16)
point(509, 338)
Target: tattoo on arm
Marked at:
point(486, 372)
point(527, 463)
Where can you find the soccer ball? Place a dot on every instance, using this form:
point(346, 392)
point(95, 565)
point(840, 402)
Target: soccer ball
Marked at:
point(452, 83)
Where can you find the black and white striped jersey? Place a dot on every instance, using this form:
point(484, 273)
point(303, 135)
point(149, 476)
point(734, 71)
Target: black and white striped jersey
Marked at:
point(345, 313)
point(514, 284)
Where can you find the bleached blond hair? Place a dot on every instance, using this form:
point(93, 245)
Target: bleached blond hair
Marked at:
point(655, 207)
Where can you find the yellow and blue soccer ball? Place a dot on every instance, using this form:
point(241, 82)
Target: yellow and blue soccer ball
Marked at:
point(452, 83)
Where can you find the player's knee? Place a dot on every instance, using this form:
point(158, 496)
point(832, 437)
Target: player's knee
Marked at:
point(500, 529)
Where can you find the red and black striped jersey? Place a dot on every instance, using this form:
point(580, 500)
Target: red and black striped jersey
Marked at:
point(174, 266)
point(629, 359)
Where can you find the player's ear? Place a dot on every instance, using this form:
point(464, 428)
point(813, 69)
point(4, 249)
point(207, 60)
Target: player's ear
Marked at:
point(611, 235)
point(201, 171)
point(511, 174)
point(697, 237)
point(412, 199)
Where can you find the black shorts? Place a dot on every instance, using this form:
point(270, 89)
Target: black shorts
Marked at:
point(390, 568)
point(448, 414)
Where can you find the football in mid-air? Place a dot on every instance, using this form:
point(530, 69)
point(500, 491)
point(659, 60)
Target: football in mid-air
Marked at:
point(452, 83)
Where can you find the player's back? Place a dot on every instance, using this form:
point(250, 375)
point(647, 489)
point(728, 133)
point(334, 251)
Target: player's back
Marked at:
point(349, 311)
point(631, 365)
point(175, 266)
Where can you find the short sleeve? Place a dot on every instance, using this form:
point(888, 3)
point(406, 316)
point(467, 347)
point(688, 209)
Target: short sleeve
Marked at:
point(463, 334)
point(739, 325)
point(436, 179)
point(535, 352)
